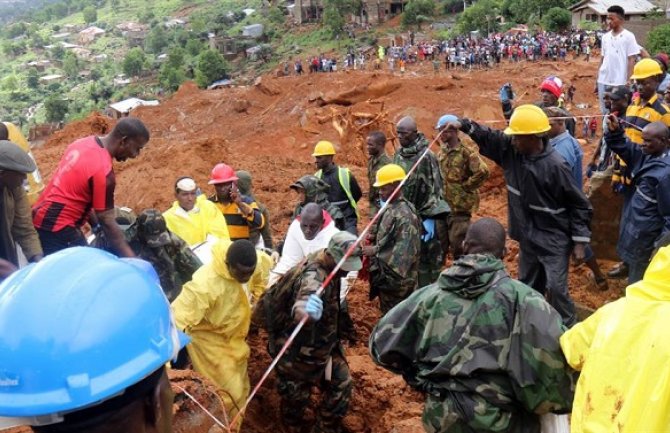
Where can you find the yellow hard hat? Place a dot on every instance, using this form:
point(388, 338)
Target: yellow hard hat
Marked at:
point(388, 174)
point(646, 68)
point(324, 148)
point(527, 120)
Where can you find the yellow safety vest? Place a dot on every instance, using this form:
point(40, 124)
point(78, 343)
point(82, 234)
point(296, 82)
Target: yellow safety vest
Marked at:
point(344, 176)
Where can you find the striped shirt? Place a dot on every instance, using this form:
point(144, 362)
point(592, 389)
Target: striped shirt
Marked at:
point(238, 224)
point(641, 114)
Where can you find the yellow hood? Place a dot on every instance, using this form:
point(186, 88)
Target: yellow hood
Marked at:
point(655, 285)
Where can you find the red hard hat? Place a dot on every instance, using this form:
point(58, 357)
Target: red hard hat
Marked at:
point(222, 173)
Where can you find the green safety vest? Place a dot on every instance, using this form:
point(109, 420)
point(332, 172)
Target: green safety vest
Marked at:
point(344, 176)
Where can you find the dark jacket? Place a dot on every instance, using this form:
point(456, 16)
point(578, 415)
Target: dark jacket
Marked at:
point(547, 211)
point(646, 213)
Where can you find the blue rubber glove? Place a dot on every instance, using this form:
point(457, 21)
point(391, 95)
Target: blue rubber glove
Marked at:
point(314, 307)
point(429, 228)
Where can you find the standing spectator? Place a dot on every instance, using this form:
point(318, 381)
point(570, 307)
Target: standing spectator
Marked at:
point(619, 49)
point(646, 211)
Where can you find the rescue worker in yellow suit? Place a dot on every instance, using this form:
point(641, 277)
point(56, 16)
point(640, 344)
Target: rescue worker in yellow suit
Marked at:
point(622, 351)
point(214, 309)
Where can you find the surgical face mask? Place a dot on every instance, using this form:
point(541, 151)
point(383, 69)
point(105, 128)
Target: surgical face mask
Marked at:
point(382, 203)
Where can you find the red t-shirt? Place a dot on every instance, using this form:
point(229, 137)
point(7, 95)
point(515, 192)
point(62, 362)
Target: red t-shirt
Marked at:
point(84, 180)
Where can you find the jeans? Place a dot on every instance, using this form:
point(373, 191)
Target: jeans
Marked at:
point(549, 276)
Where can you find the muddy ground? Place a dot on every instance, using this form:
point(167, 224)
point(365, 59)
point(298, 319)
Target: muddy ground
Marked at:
point(270, 129)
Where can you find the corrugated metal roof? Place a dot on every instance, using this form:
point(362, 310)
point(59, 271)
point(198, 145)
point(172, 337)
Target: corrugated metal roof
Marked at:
point(630, 7)
point(129, 104)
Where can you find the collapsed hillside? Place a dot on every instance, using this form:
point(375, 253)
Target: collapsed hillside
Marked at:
point(270, 129)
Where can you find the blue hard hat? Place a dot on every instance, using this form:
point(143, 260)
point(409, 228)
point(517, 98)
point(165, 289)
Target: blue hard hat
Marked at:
point(446, 119)
point(78, 328)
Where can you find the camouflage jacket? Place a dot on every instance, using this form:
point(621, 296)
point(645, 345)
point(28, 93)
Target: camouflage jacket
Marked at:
point(317, 340)
point(374, 164)
point(397, 241)
point(424, 187)
point(463, 171)
point(478, 336)
point(174, 263)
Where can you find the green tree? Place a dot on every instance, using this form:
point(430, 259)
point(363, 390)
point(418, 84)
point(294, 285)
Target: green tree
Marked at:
point(56, 108)
point(557, 19)
point(157, 39)
point(658, 39)
point(134, 61)
point(333, 19)
point(10, 83)
point(589, 25)
point(211, 67)
point(275, 15)
point(71, 64)
point(418, 11)
point(171, 77)
point(176, 57)
point(194, 47)
point(58, 52)
point(90, 14)
point(480, 16)
point(33, 79)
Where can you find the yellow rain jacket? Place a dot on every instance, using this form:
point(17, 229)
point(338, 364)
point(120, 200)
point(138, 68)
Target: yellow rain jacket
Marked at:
point(622, 351)
point(193, 227)
point(214, 309)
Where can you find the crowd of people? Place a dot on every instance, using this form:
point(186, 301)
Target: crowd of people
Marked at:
point(465, 52)
point(489, 352)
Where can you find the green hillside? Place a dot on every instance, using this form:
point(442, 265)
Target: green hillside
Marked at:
point(50, 72)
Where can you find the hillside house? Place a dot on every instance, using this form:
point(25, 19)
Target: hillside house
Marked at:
point(53, 78)
point(175, 22)
point(596, 10)
point(253, 31)
point(90, 34)
point(123, 108)
point(134, 33)
point(39, 65)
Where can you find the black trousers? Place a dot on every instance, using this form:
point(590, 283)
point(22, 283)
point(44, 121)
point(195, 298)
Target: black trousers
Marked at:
point(65, 238)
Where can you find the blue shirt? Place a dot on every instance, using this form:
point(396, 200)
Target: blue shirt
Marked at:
point(568, 147)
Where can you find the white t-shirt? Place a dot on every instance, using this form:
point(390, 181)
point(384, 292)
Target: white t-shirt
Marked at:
point(615, 52)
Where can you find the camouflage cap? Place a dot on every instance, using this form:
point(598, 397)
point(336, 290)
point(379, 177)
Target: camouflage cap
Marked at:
point(338, 246)
point(124, 217)
point(152, 228)
point(243, 181)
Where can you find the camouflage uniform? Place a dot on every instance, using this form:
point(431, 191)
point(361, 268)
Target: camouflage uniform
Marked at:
point(424, 190)
point(170, 256)
point(482, 346)
point(374, 164)
point(316, 191)
point(463, 171)
point(306, 362)
point(397, 241)
point(244, 184)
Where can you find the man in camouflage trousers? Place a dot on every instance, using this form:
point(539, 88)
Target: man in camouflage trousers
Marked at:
point(463, 171)
point(482, 346)
point(314, 190)
point(395, 242)
point(170, 256)
point(424, 190)
point(376, 145)
point(316, 357)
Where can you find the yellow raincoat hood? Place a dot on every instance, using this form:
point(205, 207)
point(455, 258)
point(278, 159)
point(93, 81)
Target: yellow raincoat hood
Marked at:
point(622, 351)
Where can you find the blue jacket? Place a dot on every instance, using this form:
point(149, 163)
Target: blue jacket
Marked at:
point(646, 213)
point(568, 147)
